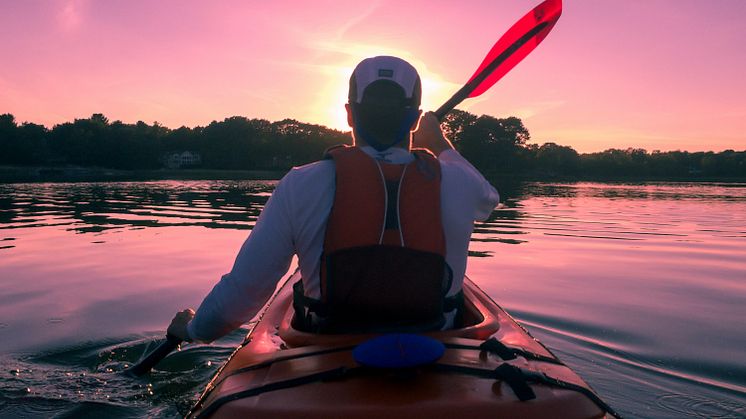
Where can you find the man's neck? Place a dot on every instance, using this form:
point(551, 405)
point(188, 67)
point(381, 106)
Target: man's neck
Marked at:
point(394, 155)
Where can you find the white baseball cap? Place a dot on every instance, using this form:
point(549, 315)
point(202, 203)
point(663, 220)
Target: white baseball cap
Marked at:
point(391, 69)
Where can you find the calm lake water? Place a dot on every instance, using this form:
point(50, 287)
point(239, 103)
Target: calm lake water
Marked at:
point(639, 288)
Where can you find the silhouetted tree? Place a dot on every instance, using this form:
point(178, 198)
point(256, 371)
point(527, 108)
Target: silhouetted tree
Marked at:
point(454, 124)
point(557, 159)
point(8, 133)
point(494, 144)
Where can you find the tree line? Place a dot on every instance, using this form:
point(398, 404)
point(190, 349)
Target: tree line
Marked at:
point(499, 146)
point(234, 143)
point(493, 145)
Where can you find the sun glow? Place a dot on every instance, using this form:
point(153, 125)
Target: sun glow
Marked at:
point(332, 98)
point(337, 97)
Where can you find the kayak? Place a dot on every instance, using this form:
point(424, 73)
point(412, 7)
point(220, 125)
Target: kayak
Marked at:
point(490, 367)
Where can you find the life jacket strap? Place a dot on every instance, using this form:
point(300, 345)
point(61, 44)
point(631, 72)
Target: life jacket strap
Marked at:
point(310, 313)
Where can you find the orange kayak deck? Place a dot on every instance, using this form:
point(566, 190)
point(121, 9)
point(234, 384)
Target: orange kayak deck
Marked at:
point(282, 372)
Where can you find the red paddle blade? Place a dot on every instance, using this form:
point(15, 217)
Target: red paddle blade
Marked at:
point(545, 16)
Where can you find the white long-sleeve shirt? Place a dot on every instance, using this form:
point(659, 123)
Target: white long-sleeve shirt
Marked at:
point(293, 222)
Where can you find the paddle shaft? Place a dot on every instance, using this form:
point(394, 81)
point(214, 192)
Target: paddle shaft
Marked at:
point(469, 87)
point(165, 348)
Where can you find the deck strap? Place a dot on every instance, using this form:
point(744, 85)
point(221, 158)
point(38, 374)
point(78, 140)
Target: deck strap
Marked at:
point(517, 381)
point(495, 346)
point(269, 363)
point(331, 374)
point(512, 375)
point(505, 352)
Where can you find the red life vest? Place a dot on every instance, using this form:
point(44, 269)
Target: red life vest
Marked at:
point(383, 265)
point(377, 203)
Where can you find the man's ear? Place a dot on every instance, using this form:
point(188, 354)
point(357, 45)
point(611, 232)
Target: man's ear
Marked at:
point(416, 121)
point(350, 121)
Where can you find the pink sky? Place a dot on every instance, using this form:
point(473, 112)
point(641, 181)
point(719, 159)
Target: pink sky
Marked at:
point(656, 74)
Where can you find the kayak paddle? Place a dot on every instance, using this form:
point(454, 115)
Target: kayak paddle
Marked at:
point(147, 363)
point(509, 50)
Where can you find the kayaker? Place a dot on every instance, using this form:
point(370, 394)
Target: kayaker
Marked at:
point(366, 212)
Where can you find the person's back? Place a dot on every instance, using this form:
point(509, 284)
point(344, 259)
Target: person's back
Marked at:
point(330, 214)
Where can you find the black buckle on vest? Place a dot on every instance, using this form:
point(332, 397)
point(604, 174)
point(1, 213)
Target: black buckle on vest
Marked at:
point(304, 306)
point(454, 302)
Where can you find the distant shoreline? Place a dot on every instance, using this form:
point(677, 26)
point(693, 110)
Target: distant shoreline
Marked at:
point(64, 174)
point(540, 177)
point(72, 174)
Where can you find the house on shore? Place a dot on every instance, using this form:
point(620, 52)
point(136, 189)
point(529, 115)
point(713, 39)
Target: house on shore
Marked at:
point(178, 160)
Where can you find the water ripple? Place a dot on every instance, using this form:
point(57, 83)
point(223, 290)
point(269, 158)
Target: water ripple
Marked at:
point(690, 405)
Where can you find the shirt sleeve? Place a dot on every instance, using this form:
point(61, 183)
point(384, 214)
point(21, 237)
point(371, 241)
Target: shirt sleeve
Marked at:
point(484, 194)
point(263, 259)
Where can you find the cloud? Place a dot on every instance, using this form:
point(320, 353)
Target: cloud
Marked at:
point(533, 109)
point(357, 51)
point(351, 22)
point(71, 13)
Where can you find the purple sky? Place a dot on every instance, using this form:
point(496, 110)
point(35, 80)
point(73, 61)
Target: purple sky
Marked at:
point(656, 74)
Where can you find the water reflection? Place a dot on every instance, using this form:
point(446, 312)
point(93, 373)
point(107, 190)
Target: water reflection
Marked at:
point(599, 211)
point(565, 210)
point(702, 191)
point(97, 207)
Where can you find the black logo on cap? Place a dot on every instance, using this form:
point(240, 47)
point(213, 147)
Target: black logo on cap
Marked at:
point(385, 73)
